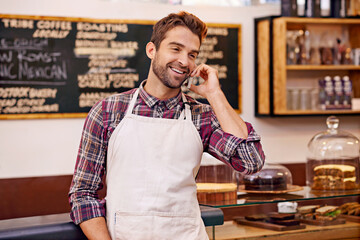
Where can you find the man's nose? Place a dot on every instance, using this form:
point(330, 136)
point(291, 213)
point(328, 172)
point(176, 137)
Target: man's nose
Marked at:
point(183, 60)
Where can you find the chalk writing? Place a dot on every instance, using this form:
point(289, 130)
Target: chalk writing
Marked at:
point(93, 81)
point(23, 43)
point(54, 72)
point(44, 33)
point(46, 57)
point(207, 50)
point(30, 109)
point(60, 25)
point(89, 99)
point(120, 63)
point(27, 92)
point(217, 31)
point(7, 102)
point(102, 27)
point(17, 100)
point(91, 43)
point(43, 93)
point(14, 92)
point(222, 70)
point(96, 35)
point(7, 71)
point(6, 56)
point(124, 44)
point(18, 23)
point(104, 81)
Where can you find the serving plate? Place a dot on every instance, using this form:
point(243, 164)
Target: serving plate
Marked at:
point(290, 188)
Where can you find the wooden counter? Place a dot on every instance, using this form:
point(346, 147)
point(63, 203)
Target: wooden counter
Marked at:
point(231, 230)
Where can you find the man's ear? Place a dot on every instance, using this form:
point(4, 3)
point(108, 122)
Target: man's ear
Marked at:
point(150, 50)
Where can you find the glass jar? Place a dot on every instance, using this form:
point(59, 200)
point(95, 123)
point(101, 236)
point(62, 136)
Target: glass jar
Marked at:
point(333, 159)
point(216, 182)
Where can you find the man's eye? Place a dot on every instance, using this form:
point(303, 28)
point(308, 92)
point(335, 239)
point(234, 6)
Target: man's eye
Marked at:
point(192, 56)
point(176, 49)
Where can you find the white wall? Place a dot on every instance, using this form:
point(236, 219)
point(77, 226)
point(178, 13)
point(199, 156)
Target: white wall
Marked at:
point(48, 147)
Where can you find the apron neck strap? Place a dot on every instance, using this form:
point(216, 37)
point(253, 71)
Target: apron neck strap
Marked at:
point(132, 103)
point(187, 108)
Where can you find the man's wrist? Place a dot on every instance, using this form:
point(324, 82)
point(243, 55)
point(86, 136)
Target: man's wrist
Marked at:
point(215, 96)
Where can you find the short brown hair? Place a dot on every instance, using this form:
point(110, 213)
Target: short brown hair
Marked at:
point(182, 18)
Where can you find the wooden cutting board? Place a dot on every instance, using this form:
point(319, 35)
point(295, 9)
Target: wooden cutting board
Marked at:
point(271, 226)
point(350, 218)
point(323, 223)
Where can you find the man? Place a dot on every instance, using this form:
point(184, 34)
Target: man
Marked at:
point(149, 142)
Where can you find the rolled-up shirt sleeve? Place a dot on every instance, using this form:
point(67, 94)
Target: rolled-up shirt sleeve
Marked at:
point(244, 155)
point(89, 170)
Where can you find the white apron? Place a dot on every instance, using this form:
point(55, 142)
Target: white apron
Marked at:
point(151, 169)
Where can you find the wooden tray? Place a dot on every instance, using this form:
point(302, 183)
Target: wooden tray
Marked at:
point(323, 223)
point(350, 218)
point(290, 188)
point(271, 226)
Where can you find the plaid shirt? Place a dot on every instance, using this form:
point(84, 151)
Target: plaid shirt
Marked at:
point(244, 155)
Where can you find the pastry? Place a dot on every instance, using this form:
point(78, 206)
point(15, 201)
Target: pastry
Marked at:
point(334, 177)
point(351, 208)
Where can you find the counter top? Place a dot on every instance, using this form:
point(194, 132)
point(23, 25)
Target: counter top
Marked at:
point(231, 231)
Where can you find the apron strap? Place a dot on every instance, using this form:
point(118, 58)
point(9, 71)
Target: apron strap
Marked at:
point(132, 103)
point(187, 109)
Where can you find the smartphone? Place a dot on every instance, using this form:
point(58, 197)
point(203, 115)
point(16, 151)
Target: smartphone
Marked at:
point(189, 82)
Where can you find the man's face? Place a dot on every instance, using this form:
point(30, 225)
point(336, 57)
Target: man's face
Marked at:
point(175, 58)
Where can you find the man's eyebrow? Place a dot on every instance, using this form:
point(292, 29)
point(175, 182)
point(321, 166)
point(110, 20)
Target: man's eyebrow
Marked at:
point(182, 45)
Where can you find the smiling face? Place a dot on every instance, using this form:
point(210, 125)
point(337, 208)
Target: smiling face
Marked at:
point(173, 62)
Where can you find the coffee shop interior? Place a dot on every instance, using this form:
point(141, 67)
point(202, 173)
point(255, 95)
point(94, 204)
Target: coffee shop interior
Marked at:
point(296, 79)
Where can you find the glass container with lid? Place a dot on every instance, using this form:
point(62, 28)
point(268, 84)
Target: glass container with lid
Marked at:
point(216, 182)
point(272, 177)
point(333, 159)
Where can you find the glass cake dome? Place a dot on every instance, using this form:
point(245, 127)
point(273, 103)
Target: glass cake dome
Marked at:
point(215, 182)
point(333, 159)
point(272, 177)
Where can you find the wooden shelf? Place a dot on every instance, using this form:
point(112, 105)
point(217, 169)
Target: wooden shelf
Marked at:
point(320, 20)
point(319, 112)
point(273, 75)
point(323, 67)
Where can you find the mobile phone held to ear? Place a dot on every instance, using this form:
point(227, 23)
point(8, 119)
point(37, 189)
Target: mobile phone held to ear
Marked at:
point(189, 82)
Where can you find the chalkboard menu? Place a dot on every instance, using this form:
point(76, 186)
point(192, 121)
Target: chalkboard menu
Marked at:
point(53, 67)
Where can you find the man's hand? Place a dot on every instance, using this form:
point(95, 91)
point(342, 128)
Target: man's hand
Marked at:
point(211, 84)
point(210, 89)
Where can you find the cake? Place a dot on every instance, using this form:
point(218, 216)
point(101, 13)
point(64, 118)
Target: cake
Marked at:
point(212, 193)
point(266, 180)
point(334, 177)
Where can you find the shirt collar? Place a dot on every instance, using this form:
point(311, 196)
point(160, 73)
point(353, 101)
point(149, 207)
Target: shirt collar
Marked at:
point(151, 101)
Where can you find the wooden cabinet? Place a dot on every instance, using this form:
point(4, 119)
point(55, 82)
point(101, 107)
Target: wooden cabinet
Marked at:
point(274, 75)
